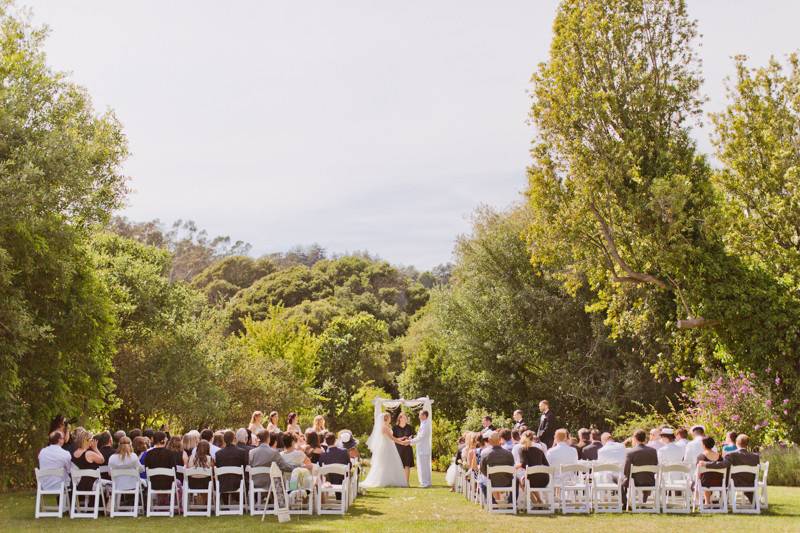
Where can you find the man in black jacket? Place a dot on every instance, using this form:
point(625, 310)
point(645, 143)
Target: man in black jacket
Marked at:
point(547, 424)
point(741, 457)
point(590, 450)
point(160, 457)
point(230, 455)
point(639, 455)
point(334, 456)
point(497, 456)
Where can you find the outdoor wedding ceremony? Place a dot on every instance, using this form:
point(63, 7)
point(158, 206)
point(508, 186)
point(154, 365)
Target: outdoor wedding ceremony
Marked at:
point(400, 266)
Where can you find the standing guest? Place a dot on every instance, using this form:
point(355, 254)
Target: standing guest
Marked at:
point(230, 455)
point(86, 457)
point(124, 459)
point(175, 445)
point(518, 419)
point(292, 425)
point(496, 456)
point(547, 424)
point(319, 425)
point(709, 455)
point(694, 448)
point(255, 422)
point(401, 434)
point(54, 457)
point(486, 422)
point(561, 453)
point(313, 446)
point(655, 439)
point(639, 455)
point(243, 440)
point(740, 457)
point(118, 434)
point(589, 451)
point(680, 437)
point(730, 443)
point(272, 424)
point(505, 439)
point(265, 455)
point(160, 457)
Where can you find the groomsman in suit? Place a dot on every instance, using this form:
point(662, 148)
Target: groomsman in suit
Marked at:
point(741, 457)
point(547, 424)
point(518, 420)
point(423, 443)
point(639, 455)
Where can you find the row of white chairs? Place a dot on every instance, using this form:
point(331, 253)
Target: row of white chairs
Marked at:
point(592, 486)
point(321, 496)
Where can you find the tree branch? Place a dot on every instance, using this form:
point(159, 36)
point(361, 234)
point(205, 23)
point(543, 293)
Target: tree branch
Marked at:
point(632, 275)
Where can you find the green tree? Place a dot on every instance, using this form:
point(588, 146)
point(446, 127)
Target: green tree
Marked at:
point(59, 176)
point(351, 355)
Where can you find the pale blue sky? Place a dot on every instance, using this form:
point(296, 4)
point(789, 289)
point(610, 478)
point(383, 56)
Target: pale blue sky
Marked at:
point(375, 125)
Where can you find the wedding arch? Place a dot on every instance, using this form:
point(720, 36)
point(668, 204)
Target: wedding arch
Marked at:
point(383, 403)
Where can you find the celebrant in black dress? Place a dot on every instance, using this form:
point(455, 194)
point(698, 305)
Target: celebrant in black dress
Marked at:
point(402, 433)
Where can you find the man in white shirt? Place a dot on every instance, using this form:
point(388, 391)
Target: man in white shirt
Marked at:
point(561, 453)
point(55, 457)
point(694, 447)
point(680, 437)
point(670, 453)
point(655, 439)
point(611, 452)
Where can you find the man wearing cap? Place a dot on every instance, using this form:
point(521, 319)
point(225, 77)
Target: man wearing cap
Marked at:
point(694, 447)
point(655, 439)
point(669, 451)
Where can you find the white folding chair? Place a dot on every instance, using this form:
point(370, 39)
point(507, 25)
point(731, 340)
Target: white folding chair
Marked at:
point(352, 491)
point(95, 493)
point(152, 507)
point(229, 508)
point(258, 497)
point(301, 498)
point(117, 509)
point(54, 476)
point(762, 485)
point(203, 475)
point(719, 493)
point(576, 494)
point(508, 506)
point(607, 493)
point(325, 488)
point(675, 488)
point(546, 494)
point(638, 495)
point(740, 496)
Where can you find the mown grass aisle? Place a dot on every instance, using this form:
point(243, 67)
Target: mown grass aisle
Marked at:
point(415, 509)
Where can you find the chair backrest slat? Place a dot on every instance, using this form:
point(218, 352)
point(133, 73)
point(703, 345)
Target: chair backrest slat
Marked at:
point(499, 469)
point(160, 472)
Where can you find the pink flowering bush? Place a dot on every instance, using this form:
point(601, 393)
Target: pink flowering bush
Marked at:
point(737, 403)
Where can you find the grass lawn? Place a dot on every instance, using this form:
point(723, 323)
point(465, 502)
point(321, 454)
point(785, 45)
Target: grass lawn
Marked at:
point(415, 509)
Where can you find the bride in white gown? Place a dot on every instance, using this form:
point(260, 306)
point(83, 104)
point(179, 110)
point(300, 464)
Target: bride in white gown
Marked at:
point(386, 468)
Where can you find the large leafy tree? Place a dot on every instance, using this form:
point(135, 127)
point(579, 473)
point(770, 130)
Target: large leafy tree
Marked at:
point(59, 176)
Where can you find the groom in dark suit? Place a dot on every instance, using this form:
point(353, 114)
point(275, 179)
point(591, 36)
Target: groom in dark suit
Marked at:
point(547, 424)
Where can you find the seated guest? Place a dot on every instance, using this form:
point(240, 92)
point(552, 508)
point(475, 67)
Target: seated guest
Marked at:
point(54, 457)
point(265, 455)
point(710, 455)
point(505, 439)
point(313, 447)
point(349, 443)
point(530, 455)
point(589, 452)
point(669, 452)
point(680, 437)
point(175, 445)
point(86, 457)
point(694, 448)
point(140, 449)
point(655, 439)
point(218, 441)
point(106, 450)
point(148, 433)
point(243, 440)
point(469, 455)
point(133, 433)
point(208, 436)
point(496, 456)
point(125, 459)
point(189, 443)
point(230, 455)
point(292, 454)
point(730, 443)
point(160, 457)
point(117, 437)
point(538, 442)
point(561, 453)
point(584, 439)
point(740, 457)
point(200, 459)
point(334, 455)
point(639, 455)
point(611, 451)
